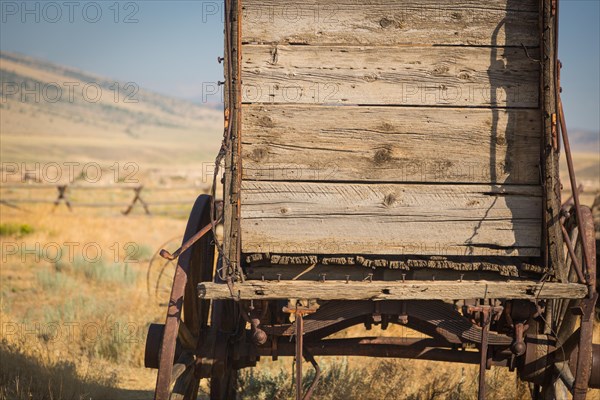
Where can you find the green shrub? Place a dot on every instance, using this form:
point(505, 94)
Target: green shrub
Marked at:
point(50, 280)
point(100, 271)
point(75, 308)
point(119, 341)
point(142, 253)
point(11, 229)
point(384, 379)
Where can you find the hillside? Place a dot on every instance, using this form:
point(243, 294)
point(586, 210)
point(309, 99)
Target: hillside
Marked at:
point(55, 113)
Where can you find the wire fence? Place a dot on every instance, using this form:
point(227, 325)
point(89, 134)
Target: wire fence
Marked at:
point(125, 196)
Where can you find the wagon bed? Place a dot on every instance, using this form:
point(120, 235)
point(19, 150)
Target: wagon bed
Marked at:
point(392, 130)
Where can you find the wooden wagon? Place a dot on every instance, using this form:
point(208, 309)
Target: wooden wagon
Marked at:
point(386, 162)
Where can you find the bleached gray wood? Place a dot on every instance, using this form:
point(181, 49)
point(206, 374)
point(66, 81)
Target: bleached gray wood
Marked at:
point(390, 22)
point(232, 114)
point(428, 219)
point(553, 240)
point(390, 144)
point(377, 290)
point(432, 76)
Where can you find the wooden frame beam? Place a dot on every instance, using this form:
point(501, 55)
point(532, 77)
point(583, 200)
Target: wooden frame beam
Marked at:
point(382, 290)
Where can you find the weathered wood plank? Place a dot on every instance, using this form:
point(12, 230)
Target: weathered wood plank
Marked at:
point(390, 268)
point(338, 218)
point(554, 245)
point(388, 22)
point(432, 76)
point(232, 117)
point(387, 144)
point(378, 290)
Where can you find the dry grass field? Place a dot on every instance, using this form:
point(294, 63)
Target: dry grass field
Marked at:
point(74, 303)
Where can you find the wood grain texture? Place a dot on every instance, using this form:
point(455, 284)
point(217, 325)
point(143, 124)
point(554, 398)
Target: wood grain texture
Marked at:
point(232, 117)
point(410, 290)
point(345, 218)
point(387, 144)
point(388, 22)
point(432, 76)
point(554, 244)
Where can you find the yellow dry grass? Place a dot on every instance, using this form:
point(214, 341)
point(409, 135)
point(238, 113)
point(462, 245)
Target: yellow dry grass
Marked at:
point(78, 308)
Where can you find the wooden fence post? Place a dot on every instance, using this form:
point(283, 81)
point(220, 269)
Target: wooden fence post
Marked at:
point(62, 197)
point(137, 198)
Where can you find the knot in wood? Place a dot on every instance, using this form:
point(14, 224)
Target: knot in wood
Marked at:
point(389, 23)
point(382, 156)
point(259, 154)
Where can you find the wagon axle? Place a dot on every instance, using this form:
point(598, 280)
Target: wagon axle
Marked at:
point(542, 356)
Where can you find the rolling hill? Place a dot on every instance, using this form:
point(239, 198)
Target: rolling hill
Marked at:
point(53, 113)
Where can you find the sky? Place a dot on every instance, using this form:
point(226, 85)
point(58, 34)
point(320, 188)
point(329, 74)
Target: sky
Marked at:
point(171, 47)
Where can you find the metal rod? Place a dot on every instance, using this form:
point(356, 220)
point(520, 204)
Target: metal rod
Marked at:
point(167, 255)
point(574, 260)
point(565, 136)
point(485, 323)
point(299, 332)
point(299, 312)
point(315, 381)
point(421, 349)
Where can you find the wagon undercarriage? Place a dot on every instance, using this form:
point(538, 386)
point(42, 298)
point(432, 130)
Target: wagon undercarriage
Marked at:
point(541, 329)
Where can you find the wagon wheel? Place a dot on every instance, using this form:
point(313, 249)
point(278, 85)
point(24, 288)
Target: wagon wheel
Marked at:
point(178, 375)
point(570, 368)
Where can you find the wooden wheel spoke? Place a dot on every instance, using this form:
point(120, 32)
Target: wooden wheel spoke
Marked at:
point(187, 339)
point(182, 369)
